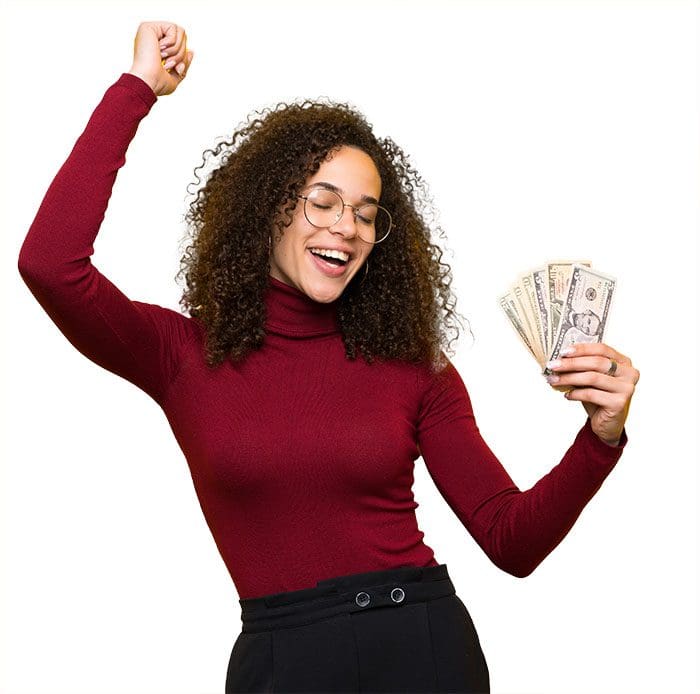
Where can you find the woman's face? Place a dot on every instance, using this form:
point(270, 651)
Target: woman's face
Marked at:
point(354, 174)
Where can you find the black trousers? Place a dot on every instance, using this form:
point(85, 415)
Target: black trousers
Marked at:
point(396, 630)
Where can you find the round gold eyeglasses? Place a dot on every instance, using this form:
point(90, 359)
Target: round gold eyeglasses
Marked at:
point(324, 208)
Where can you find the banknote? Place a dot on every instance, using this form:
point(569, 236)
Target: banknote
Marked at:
point(524, 307)
point(558, 276)
point(529, 295)
point(509, 306)
point(584, 311)
point(539, 278)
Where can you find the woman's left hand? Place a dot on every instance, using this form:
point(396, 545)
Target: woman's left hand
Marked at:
point(603, 380)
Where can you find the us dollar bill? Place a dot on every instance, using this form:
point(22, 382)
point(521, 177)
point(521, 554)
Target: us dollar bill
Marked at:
point(558, 277)
point(509, 306)
point(539, 278)
point(584, 311)
point(527, 281)
point(525, 303)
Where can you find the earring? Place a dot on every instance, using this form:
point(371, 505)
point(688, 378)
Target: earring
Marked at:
point(366, 271)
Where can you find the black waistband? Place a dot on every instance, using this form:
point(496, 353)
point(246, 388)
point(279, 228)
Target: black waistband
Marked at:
point(351, 593)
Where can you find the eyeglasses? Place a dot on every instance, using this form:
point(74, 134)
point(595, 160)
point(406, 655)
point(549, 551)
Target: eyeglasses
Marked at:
point(324, 208)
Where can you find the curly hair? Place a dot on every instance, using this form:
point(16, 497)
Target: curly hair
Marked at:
point(404, 306)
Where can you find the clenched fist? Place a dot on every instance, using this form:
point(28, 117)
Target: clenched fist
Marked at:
point(161, 58)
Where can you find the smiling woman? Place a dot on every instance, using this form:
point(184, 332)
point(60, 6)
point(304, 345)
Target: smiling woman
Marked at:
point(302, 455)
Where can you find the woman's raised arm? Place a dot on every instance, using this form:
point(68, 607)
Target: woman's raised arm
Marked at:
point(139, 341)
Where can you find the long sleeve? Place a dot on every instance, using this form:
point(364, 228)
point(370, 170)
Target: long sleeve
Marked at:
point(138, 341)
point(516, 529)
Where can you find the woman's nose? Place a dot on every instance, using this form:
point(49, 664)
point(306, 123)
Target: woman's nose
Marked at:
point(346, 223)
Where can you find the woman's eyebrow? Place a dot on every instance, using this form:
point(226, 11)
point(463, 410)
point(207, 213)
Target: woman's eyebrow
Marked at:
point(335, 189)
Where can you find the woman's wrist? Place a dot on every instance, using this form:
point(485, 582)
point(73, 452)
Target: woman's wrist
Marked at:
point(610, 442)
point(148, 80)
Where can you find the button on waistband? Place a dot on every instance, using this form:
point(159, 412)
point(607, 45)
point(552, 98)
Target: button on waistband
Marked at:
point(397, 595)
point(362, 599)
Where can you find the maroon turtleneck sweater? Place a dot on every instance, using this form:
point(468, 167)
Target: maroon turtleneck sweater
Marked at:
point(302, 460)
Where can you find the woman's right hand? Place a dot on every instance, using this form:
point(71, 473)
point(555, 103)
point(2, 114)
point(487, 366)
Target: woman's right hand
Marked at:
point(157, 45)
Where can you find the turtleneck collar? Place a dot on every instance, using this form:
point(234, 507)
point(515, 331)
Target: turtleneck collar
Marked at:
point(293, 313)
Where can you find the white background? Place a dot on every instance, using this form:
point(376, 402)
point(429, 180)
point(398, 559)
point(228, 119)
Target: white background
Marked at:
point(546, 130)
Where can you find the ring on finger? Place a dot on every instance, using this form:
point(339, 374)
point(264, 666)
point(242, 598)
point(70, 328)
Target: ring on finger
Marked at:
point(613, 368)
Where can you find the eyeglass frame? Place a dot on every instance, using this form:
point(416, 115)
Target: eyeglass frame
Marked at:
point(355, 210)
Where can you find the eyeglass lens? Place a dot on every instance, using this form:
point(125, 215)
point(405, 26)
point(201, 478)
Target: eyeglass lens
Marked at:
point(324, 208)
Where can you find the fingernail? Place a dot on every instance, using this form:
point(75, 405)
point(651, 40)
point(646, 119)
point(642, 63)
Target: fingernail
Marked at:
point(169, 64)
point(163, 53)
point(553, 364)
point(180, 68)
point(566, 351)
point(552, 378)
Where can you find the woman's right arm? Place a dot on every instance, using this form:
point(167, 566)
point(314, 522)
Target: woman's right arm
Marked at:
point(138, 341)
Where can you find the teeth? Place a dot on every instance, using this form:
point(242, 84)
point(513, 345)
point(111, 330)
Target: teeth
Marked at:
point(331, 254)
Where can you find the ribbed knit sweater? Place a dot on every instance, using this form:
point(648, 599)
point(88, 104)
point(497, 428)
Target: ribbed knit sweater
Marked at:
point(302, 459)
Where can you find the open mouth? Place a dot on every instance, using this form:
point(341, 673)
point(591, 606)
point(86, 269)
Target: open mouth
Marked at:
point(333, 267)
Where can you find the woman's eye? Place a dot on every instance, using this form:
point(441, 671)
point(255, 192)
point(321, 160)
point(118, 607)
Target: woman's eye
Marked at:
point(364, 220)
point(321, 207)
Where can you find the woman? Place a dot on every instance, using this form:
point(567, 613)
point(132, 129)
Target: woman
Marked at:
point(305, 383)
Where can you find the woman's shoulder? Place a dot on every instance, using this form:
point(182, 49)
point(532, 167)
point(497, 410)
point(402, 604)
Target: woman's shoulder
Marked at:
point(433, 375)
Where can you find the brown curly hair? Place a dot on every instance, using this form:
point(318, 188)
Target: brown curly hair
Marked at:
point(400, 310)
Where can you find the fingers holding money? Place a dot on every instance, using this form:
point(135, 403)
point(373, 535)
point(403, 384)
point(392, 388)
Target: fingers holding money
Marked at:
point(595, 359)
point(586, 374)
point(601, 349)
point(560, 312)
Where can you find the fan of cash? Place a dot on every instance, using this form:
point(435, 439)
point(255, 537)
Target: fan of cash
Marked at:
point(557, 305)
